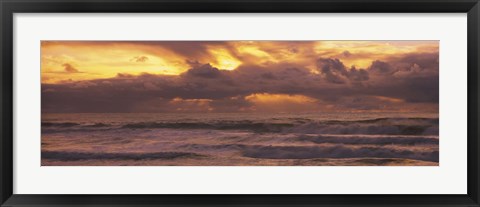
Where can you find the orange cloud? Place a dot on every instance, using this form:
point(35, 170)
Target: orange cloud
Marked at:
point(266, 102)
point(223, 59)
point(140, 59)
point(362, 53)
point(189, 105)
point(106, 59)
point(69, 68)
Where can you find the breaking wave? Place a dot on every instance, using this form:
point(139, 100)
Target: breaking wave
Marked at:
point(240, 125)
point(370, 139)
point(338, 151)
point(256, 151)
point(387, 126)
point(76, 156)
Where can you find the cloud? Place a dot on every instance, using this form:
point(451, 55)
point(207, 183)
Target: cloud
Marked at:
point(346, 53)
point(380, 67)
point(204, 71)
point(334, 71)
point(67, 67)
point(139, 59)
point(401, 83)
point(358, 74)
point(103, 59)
point(267, 102)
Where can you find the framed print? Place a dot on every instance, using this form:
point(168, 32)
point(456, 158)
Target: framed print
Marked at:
point(239, 103)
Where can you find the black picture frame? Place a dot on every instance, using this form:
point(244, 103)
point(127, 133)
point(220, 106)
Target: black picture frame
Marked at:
point(10, 7)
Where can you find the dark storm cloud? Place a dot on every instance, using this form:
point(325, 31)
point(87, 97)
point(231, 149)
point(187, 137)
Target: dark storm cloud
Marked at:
point(381, 67)
point(204, 71)
point(334, 71)
point(402, 80)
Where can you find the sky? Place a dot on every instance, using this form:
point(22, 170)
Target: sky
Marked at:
point(239, 76)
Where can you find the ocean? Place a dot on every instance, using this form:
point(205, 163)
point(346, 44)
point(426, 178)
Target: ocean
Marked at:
point(240, 139)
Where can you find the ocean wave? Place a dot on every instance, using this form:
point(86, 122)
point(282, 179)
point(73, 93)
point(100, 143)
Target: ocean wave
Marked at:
point(96, 125)
point(318, 151)
point(388, 126)
point(369, 139)
point(60, 124)
point(73, 124)
point(242, 125)
point(76, 156)
point(337, 151)
point(257, 152)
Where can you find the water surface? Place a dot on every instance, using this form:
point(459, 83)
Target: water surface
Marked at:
point(245, 139)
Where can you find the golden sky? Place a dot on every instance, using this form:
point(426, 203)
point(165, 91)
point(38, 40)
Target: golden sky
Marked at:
point(239, 76)
point(86, 60)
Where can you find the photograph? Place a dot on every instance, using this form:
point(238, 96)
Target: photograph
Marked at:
point(240, 103)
